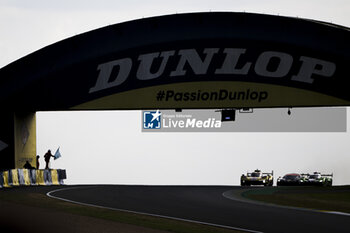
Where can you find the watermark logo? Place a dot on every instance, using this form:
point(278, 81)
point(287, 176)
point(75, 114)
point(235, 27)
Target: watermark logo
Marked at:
point(152, 119)
point(170, 121)
point(259, 120)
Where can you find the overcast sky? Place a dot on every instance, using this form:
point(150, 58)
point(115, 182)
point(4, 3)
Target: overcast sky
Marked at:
point(109, 147)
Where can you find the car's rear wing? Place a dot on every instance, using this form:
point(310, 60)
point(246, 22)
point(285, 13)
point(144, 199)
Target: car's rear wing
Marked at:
point(268, 173)
point(327, 175)
point(263, 173)
point(324, 175)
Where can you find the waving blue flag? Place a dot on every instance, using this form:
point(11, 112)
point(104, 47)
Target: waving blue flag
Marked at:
point(57, 154)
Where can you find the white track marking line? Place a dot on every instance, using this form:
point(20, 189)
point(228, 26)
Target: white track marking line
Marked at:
point(49, 194)
point(230, 195)
point(335, 212)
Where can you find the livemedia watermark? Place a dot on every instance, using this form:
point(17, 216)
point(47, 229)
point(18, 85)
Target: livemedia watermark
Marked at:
point(258, 120)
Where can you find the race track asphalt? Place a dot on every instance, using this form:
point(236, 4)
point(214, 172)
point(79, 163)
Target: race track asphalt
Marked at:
point(206, 204)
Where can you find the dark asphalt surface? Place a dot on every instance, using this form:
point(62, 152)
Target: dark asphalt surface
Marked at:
point(206, 204)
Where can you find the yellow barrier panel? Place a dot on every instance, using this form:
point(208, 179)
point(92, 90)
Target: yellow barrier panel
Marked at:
point(15, 181)
point(54, 177)
point(5, 175)
point(40, 177)
point(26, 177)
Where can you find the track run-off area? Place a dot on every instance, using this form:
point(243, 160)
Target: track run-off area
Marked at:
point(220, 206)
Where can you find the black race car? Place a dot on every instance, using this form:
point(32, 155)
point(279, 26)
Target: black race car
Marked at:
point(294, 179)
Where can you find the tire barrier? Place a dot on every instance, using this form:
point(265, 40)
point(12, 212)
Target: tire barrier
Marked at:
point(40, 177)
point(1, 180)
point(32, 177)
point(47, 177)
point(14, 177)
point(6, 177)
point(61, 175)
point(54, 177)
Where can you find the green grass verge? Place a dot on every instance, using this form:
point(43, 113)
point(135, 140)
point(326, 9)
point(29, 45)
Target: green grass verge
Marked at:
point(336, 198)
point(39, 199)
